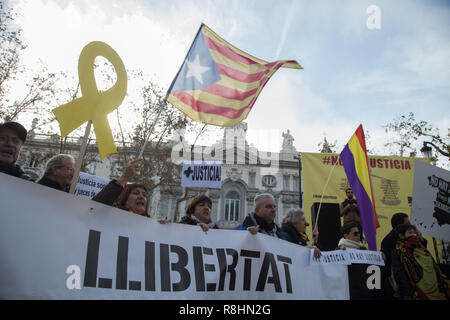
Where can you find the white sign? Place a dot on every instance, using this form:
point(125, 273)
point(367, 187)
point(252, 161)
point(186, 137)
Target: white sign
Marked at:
point(330, 258)
point(201, 175)
point(89, 185)
point(430, 209)
point(365, 257)
point(58, 246)
point(347, 257)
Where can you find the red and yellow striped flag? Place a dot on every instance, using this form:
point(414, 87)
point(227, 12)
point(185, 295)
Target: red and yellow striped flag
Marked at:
point(217, 83)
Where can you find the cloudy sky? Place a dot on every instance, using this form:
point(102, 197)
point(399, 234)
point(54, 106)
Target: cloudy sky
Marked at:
point(352, 74)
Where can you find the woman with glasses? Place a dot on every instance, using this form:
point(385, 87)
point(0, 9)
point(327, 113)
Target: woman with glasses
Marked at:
point(351, 237)
point(357, 272)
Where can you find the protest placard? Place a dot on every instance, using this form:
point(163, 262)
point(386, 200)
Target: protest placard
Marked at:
point(89, 185)
point(201, 175)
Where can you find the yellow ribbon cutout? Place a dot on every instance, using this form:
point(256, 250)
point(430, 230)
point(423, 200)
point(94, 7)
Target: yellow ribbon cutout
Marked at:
point(94, 105)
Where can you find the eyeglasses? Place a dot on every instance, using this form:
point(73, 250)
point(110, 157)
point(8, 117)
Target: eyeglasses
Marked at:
point(70, 169)
point(356, 233)
point(15, 140)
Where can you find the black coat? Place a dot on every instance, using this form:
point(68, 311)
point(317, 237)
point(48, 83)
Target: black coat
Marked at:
point(292, 235)
point(14, 170)
point(45, 181)
point(109, 193)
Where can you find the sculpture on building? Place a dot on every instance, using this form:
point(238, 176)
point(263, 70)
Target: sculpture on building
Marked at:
point(288, 142)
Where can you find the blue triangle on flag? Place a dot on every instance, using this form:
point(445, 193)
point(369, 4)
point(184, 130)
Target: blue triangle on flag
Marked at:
point(198, 70)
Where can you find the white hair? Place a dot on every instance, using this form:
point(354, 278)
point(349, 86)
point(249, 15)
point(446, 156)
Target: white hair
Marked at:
point(293, 216)
point(56, 161)
point(261, 196)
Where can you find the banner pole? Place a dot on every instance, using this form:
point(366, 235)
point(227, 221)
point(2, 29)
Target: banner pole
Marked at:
point(323, 192)
point(80, 157)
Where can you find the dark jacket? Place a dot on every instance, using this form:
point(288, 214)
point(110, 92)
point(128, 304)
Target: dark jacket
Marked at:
point(14, 170)
point(357, 281)
point(388, 244)
point(188, 220)
point(292, 235)
point(265, 228)
point(45, 181)
point(109, 193)
point(388, 247)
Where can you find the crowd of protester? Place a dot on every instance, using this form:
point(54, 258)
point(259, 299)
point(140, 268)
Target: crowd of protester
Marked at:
point(410, 271)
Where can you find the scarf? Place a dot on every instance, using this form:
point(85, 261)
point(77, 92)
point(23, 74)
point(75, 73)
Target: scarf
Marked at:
point(210, 223)
point(405, 248)
point(267, 228)
point(351, 244)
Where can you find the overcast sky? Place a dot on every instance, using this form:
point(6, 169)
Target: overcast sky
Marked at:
point(352, 74)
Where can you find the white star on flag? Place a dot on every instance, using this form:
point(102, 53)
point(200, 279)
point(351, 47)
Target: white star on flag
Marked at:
point(195, 69)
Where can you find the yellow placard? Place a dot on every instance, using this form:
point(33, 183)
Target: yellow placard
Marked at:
point(392, 182)
point(94, 105)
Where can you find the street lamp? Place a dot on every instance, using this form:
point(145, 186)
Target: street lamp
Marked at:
point(300, 198)
point(426, 150)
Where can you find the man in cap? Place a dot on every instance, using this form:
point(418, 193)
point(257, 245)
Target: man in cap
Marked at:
point(12, 138)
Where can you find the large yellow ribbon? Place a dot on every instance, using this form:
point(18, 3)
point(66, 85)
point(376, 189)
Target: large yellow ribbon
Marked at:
point(94, 105)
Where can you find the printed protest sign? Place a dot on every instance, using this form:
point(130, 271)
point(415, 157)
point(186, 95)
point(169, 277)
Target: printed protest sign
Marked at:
point(201, 175)
point(365, 257)
point(330, 257)
point(89, 185)
point(347, 257)
point(430, 210)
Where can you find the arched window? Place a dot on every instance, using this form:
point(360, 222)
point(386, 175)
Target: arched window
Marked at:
point(232, 204)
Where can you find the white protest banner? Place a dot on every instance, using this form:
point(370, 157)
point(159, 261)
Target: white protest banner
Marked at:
point(330, 258)
point(58, 246)
point(89, 185)
point(365, 257)
point(430, 208)
point(201, 175)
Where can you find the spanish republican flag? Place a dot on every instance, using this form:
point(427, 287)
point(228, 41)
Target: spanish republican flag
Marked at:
point(356, 165)
point(217, 83)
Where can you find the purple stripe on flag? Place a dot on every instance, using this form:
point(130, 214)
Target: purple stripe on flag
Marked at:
point(364, 203)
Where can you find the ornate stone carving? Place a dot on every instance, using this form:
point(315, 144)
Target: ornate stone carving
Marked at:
point(234, 174)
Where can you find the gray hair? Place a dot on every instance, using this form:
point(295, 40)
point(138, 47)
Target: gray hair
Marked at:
point(261, 196)
point(293, 216)
point(56, 161)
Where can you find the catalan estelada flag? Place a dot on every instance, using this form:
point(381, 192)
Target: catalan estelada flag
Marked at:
point(356, 165)
point(217, 83)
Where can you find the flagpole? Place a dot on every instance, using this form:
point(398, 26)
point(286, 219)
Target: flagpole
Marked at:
point(80, 157)
point(323, 192)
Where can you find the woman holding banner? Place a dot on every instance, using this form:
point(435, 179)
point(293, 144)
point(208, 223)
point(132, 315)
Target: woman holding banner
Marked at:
point(294, 228)
point(357, 272)
point(198, 212)
point(132, 197)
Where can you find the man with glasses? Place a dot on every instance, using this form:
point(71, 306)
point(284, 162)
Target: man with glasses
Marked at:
point(12, 137)
point(59, 172)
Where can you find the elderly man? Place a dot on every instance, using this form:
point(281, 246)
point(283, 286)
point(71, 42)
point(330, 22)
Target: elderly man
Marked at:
point(59, 172)
point(262, 219)
point(12, 137)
